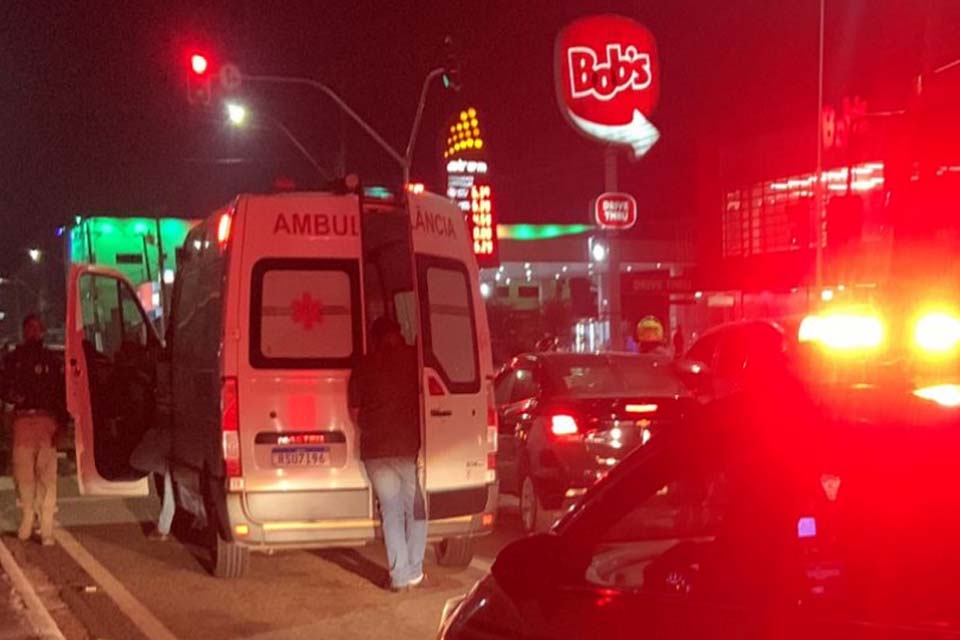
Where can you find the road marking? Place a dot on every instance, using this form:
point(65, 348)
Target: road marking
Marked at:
point(40, 619)
point(146, 622)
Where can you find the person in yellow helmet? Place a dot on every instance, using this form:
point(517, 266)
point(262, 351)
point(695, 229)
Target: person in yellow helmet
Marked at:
point(649, 336)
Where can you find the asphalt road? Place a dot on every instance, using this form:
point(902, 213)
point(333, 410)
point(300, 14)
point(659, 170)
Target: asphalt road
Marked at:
point(293, 594)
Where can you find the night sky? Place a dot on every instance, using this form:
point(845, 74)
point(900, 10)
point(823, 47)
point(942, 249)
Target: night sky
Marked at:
point(93, 114)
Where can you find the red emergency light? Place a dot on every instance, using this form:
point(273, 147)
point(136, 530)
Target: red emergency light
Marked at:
point(199, 64)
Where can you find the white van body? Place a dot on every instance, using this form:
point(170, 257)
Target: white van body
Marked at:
point(272, 298)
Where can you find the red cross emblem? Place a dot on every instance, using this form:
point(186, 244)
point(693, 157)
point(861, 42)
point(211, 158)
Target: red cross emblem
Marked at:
point(306, 311)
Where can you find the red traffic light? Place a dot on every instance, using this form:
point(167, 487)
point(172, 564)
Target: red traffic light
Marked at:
point(199, 63)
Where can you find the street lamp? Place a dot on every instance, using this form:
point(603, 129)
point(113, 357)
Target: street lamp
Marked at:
point(238, 115)
point(35, 254)
point(598, 250)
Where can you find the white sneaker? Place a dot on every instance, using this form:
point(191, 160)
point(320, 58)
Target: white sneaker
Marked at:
point(416, 582)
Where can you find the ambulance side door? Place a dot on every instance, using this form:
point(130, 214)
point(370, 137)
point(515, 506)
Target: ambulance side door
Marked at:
point(111, 351)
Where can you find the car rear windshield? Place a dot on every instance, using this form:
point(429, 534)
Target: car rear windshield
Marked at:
point(640, 376)
point(305, 314)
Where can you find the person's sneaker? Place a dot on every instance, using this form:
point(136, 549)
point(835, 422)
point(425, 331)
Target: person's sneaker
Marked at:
point(24, 534)
point(418, 582)
point(48, 542)
point(156, 536)
point(413, 584)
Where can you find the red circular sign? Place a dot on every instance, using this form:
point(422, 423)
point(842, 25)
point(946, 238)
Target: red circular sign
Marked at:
point(615, 211)
point(608, 79)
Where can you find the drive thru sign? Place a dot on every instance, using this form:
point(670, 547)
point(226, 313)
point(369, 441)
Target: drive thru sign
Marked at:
point(608, 80)
point(615, 211)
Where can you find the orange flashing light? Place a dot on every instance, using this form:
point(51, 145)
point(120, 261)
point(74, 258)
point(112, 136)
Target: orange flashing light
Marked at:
point(843, 331)
point(937, 332)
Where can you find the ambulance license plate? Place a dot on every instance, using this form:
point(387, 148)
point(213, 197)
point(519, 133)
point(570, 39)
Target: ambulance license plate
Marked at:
point(299, 456)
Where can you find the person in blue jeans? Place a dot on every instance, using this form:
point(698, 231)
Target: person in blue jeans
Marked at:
point(384, 399)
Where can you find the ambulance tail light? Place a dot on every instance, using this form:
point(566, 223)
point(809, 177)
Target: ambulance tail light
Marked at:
point(224, 229)
point(937, 332)
point(230, 427)
point(493, 425)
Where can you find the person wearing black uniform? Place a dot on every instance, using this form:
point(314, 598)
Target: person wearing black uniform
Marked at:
point(384, 398)
point(32, 382)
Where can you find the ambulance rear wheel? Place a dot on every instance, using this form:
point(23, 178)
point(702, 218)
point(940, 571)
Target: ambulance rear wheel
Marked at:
point(454, 552)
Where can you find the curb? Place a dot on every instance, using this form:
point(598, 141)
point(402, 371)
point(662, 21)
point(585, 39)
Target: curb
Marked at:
point(37, 614)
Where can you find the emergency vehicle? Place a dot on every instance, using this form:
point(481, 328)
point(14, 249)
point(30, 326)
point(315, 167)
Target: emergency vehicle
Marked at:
point(892, 333)
point(273, 298)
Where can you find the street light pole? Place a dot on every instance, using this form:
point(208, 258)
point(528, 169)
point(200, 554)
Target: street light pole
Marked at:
point(818, 191)
point(330, 93)
point(415, 130)
point(302, 149)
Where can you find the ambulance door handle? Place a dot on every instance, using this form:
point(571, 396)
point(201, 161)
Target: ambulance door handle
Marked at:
point(440, 413)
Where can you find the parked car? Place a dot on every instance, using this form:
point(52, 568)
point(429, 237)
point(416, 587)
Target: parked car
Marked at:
point(567, 419)
point(730, 351)
point(726, 528)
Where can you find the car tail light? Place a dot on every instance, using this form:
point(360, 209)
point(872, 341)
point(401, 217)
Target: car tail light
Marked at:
point(945, 395)
point(849, 331)
point(230, 427)
point(563, 425)
point(641, 408)
point(937, 332)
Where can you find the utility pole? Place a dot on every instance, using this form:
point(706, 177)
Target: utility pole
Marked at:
point(818, 183)
point(611, 185)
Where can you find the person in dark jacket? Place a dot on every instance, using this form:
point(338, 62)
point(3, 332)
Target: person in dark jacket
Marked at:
point(384, 398)
point(33, 381)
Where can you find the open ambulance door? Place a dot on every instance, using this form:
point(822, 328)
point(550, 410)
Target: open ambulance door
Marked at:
point(111, 351)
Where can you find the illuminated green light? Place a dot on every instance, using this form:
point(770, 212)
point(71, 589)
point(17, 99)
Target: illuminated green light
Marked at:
point(378, 193)
point(540, 231)
point(140, 228)
point(106, 228)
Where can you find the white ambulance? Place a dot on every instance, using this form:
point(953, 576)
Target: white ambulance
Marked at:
point(272, 300)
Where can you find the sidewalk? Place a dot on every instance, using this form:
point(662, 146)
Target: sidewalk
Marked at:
point(13, 617)
point(22, 613)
